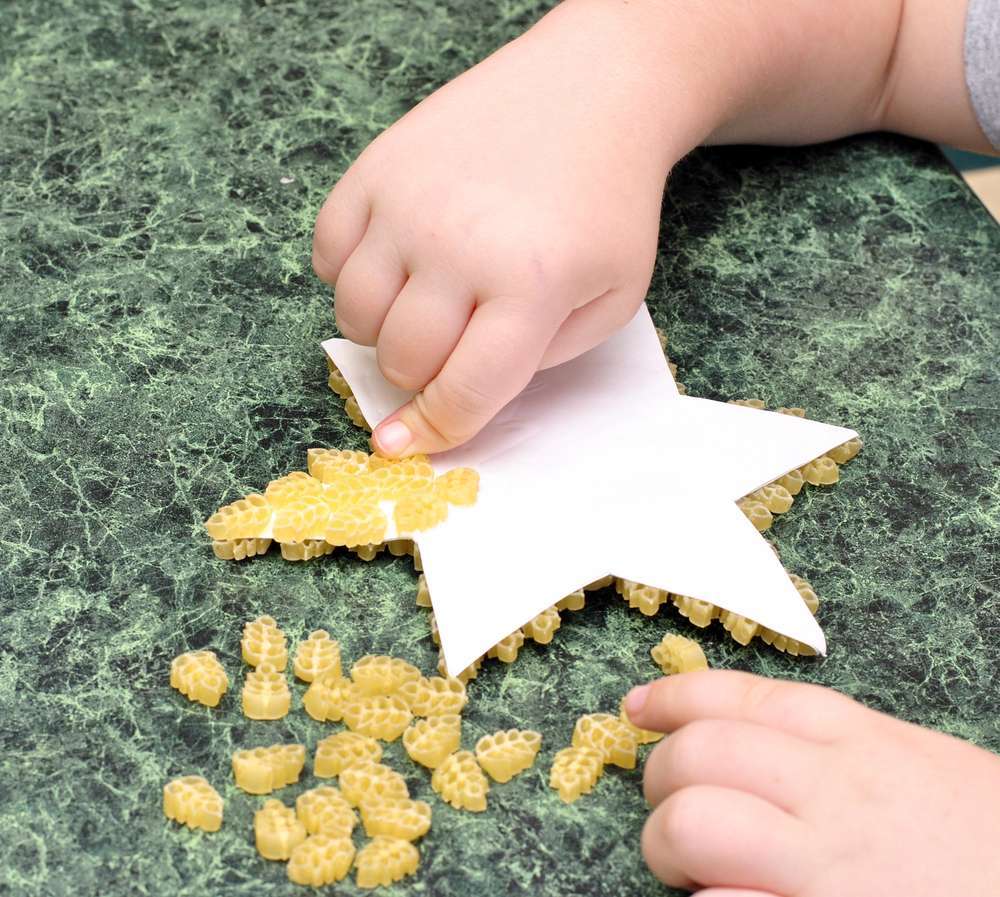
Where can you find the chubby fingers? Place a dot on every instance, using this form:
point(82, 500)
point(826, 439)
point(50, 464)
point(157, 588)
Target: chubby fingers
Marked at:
point(496, 355)
point(708, 836)
point(340, 227)
point(808, 711)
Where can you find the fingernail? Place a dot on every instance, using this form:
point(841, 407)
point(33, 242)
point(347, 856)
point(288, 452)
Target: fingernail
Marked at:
point(393, 438)
point(636, 699)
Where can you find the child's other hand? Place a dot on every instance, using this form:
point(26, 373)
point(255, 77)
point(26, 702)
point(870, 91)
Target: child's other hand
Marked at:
point(507, 223)
point(775, 788)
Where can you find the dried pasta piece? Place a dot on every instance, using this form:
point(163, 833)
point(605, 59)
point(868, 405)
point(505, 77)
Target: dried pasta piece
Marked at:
point(678, 654)
point(396, 817)
point(383, 861)
point(749, 403)
point(321, 860)
point(199, 676)
point(304, 518)
point(601, 583)
point(399, 547)
point(463, 676)
point(246, 518)
point(191, 801)
point(306, 550)
point(277, 830)
point(460, 782)
point(327, 696)
point(378, 716)
point(646, 598)
point(240, 549)
point(329, 465)
point(700, 613)
point(419, 511)
point(266, 694)
point(423, 593)
point(366, 781)
point(757, 513)
point(575, 771)
point(324, 810)
point(318, 655)
point(793, 481)
point(435, 696)
point(777, 499)
point(783, 642)
point(264, 642)
point(291, 488)
point(793, 412)
point(353, 410)
point(821, 472)
point(418, 563)
point(741, 628)
point(459, 486)
point(435, 632)
point(506, 649)
point(355, 525)
point(336, 752)
point(379, 674)
point(505, 754)
point(336, 381)
point(573, 601)
point(543, 627)
point(264, 769)
point(368, 552)
point(608, 735)
point(845, 451)
point(430, 741)
point(642, 736)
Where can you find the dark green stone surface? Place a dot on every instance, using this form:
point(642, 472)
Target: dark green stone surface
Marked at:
point(159, 356)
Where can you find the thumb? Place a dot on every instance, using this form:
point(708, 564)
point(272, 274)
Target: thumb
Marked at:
point(495, 358)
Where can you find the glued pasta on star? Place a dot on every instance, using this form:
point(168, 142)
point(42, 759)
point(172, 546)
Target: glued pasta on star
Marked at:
point(506, 649)
point(505, 754)
point(573, 601)
point(460, 782)
point(470, 672)
point(700, 613)
point(543, 627)
point(459, 486)
point(644, 598)
point(430, 741)
point(199, 676)
point(757, 513)
point(821, 472)
point(191, 801)
point(240, 549)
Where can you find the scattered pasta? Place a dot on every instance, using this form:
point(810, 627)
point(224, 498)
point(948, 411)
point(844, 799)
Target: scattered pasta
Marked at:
point(506, 754)
point(460, 782)
point(324, 810)
point(607, 735)
point(575, 771)
point(321, 860)
point(366, 781)
point(191, 801)
point(327, 696)
point(678, 654)
point(199, 676)
point(396, 817)
point(336, 752)
point(378, 674)
point(265, 769)
point(277, 830)
point(430, 741)
point(383, 861)
point(266, 694)
point(318, 655)
point(378, 716)
point(434, 696)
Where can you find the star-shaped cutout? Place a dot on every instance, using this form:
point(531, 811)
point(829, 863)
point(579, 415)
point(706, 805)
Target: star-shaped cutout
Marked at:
point(601, 467)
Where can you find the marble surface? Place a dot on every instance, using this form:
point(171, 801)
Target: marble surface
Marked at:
point(159, 329)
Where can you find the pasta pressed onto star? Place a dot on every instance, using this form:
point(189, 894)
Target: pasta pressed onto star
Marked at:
point(265, 769)
point(378, 716)
point(396, 817)
point(700, 613)
point(543, 627)
point(199, 676)
point(460, 782)
point(463, 676)
point(336, 752)
point(506, 650)
point(366, 781)
point(431, 741)
point(191, 801)
point(573, 601)
point(317, 656)
point(421, 511)
point(321, 860)
point(266, 694)
point(505, 754)
point(423, 593)
point(277, 830)
point(459, 486)
point(783, 642)
point(678, 654)
point(575, 771)
point(240, 549)
point(821, 472)
point(324, 810)
point(306, 550)
point(264, 642)
point(645, 599)
point(757, 513)
point(379, 674)
point(383, 861)
point(607, 735)
point(353, 410)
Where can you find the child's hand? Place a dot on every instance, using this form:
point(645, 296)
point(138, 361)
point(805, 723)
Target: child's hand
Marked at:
point(507, 223)
point(773, 788)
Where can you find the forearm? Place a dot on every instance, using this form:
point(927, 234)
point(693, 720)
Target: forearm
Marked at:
point(789, 71)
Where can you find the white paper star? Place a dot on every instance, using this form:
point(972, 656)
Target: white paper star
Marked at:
point(600, 467)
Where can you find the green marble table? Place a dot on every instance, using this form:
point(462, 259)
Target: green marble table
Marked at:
point(161, 165)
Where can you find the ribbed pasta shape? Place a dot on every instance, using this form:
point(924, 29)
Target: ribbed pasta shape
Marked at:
point(366, 781)
point(321, 860)
point(266, 694)
point(378, 716)
point(845, 451)
point(199, 676)
point(306, 550)
point(327, 696)
point(419, 511)
point(191, 801)
point(543, 627)
point(423, 593)
point(277, 830)
point(463, 676)
point(336, 752)
point(678, 654)
point(324, 810)
point(430, 741)
point(608, 735)
point(700, 613)
point(777, 499)
point(573, 601)
point(379, 674)
point(396, 817)
point(246, 518)
point(383, 861)
point(506, 650)
point(318, 655)
point(460, 782)
point(264, 642)
point(575, 771)
point(644, 598)
point(459, 486)
point(434, 696)
point(505, 754)
point(821, 471)
point(240, 549)
point(265, 769)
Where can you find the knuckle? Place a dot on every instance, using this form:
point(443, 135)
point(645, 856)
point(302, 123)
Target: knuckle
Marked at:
point(687, 748)
point(458, 407)
point(396, 375)
point(681, 821)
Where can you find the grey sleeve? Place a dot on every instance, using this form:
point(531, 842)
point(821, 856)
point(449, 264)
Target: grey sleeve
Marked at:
point(982, 65)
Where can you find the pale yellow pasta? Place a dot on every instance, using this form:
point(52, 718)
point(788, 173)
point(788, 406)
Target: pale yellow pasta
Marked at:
point(749, 403)
point(324, 810)
point(573, 601)
point(400, 547)
point(383, 861)
point(266, 694)
point(846, 450)
point(396, 817)
point(191, 801)
point(430, 741)
point(378, 716)
point(327, 696)
point(306, 550)
point(321, 860)
point(543, 627)
point(366, 781)
point(608, 735)
point(240, 549)
point(265, 769)
point(777, 499)
point(318, 655)
point(821, 472)
point(264, 642)
point(793, 481)
point(463, 676)
point(575, 771)
point(741, 628)
point(277, 830)
point(246, 518)
point(199, 676)
point(336, 752)
point(757, 513)
point(379, 674)
point(642, 736)
point(793, 412)
point(460, 782)
point(419, 511)
point(678, 654)
point(601, 583)
point(434, 696)
point(506, 649)
point(700, 613)
point(368, 552)
point(459, 486)
point(353, 410)
point(505, 754)
point(645, 598)
point(423, 594)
